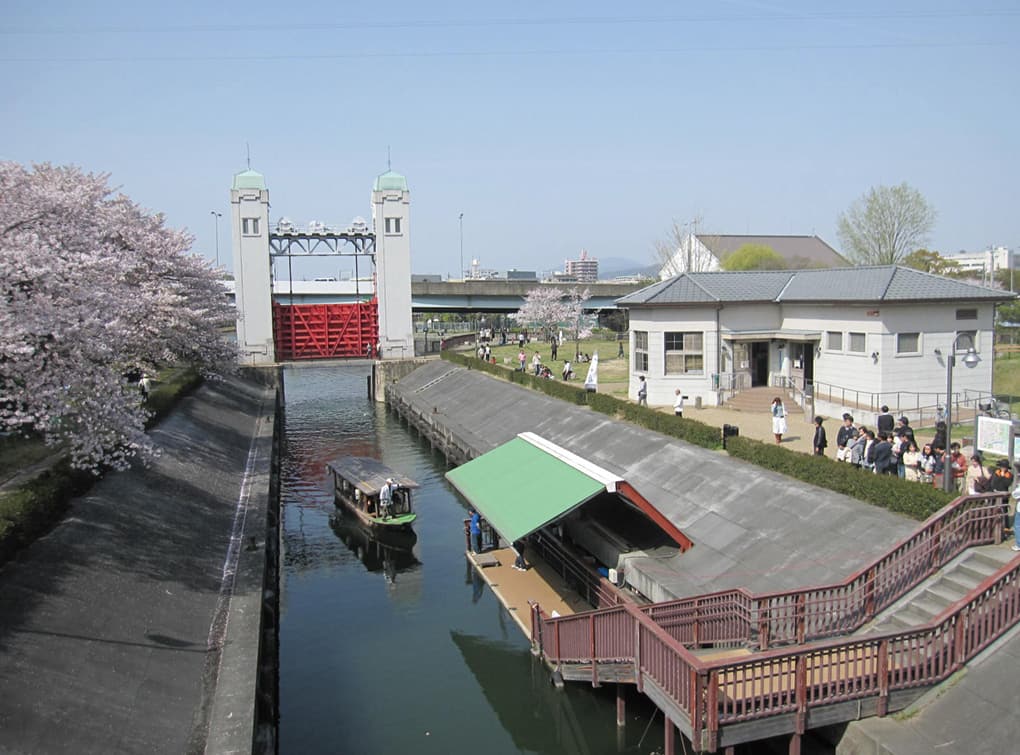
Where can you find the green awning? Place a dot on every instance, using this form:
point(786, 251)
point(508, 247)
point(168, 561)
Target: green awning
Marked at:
point(519, 487)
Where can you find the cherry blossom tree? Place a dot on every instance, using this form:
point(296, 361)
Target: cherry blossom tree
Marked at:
point(93, 291)
point(548, 309)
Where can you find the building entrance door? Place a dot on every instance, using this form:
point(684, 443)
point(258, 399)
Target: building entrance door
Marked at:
point(759, 363)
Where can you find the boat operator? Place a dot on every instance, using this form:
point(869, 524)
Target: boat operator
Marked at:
point(386, 498)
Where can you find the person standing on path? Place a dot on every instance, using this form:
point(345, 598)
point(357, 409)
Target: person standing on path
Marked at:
point(884, 422)
point(844, 438)
point(778, 419)
point(642, 391)
point(819, 443)
point(678, 404)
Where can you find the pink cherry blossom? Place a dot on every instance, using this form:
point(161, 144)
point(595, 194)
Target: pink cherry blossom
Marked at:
point(93, 291)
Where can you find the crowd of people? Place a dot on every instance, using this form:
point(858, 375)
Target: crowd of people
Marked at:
point(892, 448)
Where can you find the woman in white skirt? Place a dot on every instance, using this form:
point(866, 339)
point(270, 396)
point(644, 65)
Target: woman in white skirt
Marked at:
point(778, 419)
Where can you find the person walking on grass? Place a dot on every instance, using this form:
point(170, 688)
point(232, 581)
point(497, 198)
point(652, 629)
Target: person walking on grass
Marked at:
point(778, 419)
point(642, 391)
point(678, 404)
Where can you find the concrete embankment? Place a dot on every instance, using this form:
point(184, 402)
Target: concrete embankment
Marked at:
point(146, 620)
point(751, 527)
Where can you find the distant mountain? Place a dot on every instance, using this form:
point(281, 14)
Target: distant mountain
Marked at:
point(610, 267)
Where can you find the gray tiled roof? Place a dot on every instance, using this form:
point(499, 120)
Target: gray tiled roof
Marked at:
point(886, 283)
point(803, 250)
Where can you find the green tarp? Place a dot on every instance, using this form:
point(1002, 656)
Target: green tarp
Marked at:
point(518, 488)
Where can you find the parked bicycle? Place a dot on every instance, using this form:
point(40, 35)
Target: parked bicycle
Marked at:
point(991, 408)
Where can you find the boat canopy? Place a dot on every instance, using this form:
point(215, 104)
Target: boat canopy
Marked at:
point(528, 482)
point(366, 474)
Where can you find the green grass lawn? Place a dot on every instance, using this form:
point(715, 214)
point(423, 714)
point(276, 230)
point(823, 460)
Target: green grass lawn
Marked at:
point(613, 369)
point(1006, 375)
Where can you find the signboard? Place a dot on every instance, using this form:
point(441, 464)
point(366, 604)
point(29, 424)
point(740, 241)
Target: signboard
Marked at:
point(994, 436)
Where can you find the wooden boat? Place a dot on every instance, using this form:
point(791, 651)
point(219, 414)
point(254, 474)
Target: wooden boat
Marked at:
point(357, 483)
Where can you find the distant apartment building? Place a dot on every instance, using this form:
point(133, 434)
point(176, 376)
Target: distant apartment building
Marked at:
point(584, 269)
point(983, 264)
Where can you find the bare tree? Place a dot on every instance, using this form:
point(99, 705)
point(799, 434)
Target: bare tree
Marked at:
point(886, 225)
point(682, 252)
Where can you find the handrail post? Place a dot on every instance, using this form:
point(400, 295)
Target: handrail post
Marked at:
point(637, 655)
point(764, 635)
point(800, 722)
point(883, 678)
point(697, 698)
point(591, 648)
point(801, 618)
point(712, 711)
point(869, 594)
point(959, 640)
point(696, 639)
point(559, 657)
point(536, 629)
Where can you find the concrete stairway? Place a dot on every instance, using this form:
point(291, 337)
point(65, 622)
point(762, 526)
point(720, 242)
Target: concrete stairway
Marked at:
point(758, 399)
point(942, 589)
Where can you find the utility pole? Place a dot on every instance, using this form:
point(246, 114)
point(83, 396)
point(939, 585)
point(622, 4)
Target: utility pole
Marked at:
point(216, 223)
point(462, 246)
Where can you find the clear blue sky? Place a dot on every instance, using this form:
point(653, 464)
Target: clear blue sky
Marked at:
point(552, 126)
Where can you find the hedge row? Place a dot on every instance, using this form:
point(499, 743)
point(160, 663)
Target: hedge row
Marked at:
point(171, 387)
point(28, 512)
point(902, 496)
point(909, 498)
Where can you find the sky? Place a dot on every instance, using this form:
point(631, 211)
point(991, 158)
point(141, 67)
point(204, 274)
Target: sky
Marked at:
point(552, 126)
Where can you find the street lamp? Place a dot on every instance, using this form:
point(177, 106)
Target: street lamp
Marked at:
point(216, 222)
point(971, 360)
point(462, 246)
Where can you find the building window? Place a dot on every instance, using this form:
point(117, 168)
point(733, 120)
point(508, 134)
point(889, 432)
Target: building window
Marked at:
point(641, 350)
point(250, 226)
point(684, 353)
point(857, 344)
point(834, 340)
point(966, 314)
point(393, 225)
point(966, 339)
point(908, 343)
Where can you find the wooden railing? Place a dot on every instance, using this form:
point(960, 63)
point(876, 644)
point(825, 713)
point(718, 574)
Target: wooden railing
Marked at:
point(814, 613)
point(592, 586)
point(710, 694)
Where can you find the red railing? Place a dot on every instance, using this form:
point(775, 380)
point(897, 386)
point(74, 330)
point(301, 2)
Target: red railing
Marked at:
point(789, 681)
point(814, 613)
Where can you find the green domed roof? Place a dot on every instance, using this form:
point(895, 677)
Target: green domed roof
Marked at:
point(249, 179)
point(390, 181)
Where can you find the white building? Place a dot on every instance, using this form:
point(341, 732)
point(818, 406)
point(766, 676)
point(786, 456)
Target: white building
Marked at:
point(703, 252)
point(984, 264)
point(866, 335)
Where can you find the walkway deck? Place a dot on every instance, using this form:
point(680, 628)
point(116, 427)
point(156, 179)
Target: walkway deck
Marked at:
point(539, 584)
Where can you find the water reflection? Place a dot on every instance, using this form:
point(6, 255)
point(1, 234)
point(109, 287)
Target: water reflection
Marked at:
point(392, 554)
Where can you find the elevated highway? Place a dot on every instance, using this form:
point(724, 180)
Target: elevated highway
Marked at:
point(444, 296)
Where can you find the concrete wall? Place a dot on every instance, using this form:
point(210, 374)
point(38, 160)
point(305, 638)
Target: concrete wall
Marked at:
point(393, 272)
point(662, 387)
point(251, 272)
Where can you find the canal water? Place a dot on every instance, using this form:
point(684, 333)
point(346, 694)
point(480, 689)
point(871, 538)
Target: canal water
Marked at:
point(404, 650)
